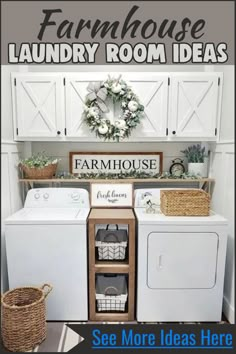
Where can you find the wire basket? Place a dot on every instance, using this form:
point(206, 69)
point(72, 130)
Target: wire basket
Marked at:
point(24, 318)
point(111, 244)
point(111, 293)
point(46, 172)
point(186, 202)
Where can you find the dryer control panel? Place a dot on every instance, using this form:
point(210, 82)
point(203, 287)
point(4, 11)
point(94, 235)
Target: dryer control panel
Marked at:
point(57, 198)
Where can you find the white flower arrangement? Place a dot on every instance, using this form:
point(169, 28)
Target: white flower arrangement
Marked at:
point(39, 160)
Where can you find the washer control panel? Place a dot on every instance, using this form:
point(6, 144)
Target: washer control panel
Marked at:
point(57, 197)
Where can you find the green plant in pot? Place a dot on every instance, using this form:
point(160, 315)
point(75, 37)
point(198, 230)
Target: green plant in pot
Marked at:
point(197, 160)
point(39, 166)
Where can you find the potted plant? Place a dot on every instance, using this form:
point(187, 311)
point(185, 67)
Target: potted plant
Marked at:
point(196, 157)
point(39, 166)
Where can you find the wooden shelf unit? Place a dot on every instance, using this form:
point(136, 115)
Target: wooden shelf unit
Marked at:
point(111, 216)
point(123, 180)
point(203, 183)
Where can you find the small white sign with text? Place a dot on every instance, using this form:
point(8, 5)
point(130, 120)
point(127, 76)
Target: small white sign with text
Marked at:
point(111, 195)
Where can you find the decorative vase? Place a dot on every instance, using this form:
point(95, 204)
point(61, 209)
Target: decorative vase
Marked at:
point(198, 168)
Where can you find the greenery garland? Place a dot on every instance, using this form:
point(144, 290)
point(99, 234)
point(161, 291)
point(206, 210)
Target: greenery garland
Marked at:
point(122, 175)
point(95, 107)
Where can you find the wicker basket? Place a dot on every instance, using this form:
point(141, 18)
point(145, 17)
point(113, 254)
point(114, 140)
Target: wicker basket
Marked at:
point(187, 202)
point(39, 173)
point(24, 318)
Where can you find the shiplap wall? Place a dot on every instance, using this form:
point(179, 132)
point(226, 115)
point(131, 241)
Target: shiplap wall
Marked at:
point(10, 152)
point(61, 150)
point(11, 199)
point(222, 169)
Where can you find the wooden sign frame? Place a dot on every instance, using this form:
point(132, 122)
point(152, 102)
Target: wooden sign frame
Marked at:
point(160, 154)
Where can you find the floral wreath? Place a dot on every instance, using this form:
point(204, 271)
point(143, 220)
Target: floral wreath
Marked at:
point(95, 106)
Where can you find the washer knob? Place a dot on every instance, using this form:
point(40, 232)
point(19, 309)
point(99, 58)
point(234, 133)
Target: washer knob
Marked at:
point(37, 196)
point(46, 195)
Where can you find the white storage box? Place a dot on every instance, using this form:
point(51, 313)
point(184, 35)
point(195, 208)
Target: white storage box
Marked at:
point(111, 293)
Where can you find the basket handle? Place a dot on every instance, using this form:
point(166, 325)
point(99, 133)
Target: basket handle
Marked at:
point(109, 225)
point(111, 288)
point(48, 290)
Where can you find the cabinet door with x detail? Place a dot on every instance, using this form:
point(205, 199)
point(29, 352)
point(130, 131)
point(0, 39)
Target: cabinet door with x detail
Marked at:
point(38, 106)
point(194, 105)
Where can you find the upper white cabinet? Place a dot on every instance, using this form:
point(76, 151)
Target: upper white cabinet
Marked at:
point(194, 103)
point(177, 106)
point(38, 106)
point(152, 90)
point(75, 95)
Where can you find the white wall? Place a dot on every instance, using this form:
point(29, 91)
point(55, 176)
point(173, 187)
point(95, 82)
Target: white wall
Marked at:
point(10, 152)
point(61, 150)
point(222, 169)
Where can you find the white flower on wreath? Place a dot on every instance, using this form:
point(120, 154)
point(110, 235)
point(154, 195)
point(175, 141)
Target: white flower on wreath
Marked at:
point(93, 111)
point(123, 104)
point(122, 92)
point(116, 87)
point(121, 123)
point(121, 133)
point(103, 129)
point(133, 106)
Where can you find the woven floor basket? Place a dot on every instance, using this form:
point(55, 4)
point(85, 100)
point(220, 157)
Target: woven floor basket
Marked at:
point(187, 202)
point(24, 318)
point(39, 173)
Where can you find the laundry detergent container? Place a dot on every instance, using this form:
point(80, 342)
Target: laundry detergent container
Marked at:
point(111, 293)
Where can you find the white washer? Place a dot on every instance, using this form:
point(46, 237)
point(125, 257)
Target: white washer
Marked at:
point(46, 242)
point(181, 264)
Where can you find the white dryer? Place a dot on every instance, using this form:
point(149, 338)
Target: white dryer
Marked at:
point(46, 242)
point(181, 265)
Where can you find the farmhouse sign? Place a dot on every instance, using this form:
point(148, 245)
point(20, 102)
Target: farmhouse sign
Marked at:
point(111, 162)
point(111, 195)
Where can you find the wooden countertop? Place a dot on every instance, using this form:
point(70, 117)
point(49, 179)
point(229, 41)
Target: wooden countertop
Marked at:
point(124, 180)
point(111, 214)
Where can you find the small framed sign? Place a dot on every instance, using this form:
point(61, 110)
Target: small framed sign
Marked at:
point(111, 195)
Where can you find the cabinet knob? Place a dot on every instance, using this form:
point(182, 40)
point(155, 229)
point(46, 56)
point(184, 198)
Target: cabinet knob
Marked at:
point(173, 132)
point(58, 132)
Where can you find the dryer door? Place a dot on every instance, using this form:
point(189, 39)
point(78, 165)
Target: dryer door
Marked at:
point(182, 260)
